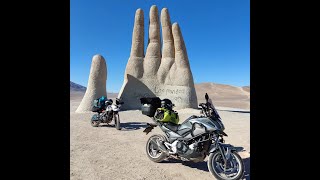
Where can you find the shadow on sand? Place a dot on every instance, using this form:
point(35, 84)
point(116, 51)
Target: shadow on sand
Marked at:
point(199, 165)
point(204, 167)
point(107, 125)
point(246, 162)
point(130, 126)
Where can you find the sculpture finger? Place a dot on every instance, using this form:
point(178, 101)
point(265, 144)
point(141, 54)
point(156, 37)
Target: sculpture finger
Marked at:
point(137, 46)
point(96, 84)
point(168, 47)
point(181, 57)
point(153, 49)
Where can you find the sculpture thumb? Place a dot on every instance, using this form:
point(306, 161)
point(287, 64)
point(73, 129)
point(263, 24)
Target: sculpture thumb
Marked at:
point(96, 84)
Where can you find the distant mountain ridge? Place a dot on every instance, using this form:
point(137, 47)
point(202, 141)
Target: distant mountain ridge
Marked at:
point(246, 88)
point(77, 91)
point(76, 87)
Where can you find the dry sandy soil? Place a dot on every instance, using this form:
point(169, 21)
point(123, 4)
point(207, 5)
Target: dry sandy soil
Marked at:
point(103, 153)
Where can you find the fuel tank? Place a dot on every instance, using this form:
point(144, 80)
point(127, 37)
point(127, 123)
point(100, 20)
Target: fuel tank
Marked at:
point(209, 124)
point(192, 127)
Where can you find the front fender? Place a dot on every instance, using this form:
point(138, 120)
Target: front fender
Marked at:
point(225, 150)
point(226, 147)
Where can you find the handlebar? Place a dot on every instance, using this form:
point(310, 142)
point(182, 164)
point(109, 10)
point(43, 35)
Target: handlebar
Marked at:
point(202, 104)
point(118, 101)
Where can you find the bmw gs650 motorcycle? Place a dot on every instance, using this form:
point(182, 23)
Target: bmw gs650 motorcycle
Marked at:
point(194, 139)
point(106, 116)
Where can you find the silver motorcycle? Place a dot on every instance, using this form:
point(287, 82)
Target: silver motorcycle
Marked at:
point(193, 140)
point(110, 113)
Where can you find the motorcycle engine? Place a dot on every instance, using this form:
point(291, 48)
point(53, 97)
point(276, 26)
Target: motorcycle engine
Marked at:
point(193, 150)
point(182, 148)
point(109, 115)
point(105, 116)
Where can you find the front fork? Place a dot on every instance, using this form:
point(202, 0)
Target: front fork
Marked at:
point(225, 155)
point(225, 150)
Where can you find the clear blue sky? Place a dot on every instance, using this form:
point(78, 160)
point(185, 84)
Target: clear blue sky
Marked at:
point(216, 34)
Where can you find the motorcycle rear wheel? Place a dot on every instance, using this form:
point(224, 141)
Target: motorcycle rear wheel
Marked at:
point(234, 170)
point(153, 152)
point(94, 122)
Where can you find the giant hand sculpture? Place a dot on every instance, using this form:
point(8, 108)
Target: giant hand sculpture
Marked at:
point(96, 84)
point(165, 75)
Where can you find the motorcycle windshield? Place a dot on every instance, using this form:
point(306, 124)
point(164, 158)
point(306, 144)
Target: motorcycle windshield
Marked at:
point(214, 112)
point(218, 121)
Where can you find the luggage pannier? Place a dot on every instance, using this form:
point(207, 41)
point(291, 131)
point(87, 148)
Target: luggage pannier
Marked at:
point(149, 105)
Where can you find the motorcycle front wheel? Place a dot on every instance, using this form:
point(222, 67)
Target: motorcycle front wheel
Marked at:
point(117, 121)
point(233, 171)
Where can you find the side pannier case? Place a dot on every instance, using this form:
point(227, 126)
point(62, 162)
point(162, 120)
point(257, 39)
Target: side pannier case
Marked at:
point(149, 105)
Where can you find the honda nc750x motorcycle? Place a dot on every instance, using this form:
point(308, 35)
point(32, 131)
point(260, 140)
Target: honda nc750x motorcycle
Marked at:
point(110, 113)
point(193, 140)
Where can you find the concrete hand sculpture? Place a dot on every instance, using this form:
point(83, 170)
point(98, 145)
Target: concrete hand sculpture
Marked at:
point(166, 74)
point(96, 84)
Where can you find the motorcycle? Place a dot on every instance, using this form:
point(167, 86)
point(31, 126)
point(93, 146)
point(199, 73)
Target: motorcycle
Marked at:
point(195, 139)
point(110, 113)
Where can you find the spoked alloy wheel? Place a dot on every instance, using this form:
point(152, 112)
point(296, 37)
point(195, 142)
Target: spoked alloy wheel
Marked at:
point(94, 122)
point(153, 151)
point(233, 171)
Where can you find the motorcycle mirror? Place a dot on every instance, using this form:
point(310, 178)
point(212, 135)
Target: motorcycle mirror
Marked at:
point(206, 96)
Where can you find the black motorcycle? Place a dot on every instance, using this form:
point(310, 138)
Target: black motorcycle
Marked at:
point(193, 140)
point(107, 115)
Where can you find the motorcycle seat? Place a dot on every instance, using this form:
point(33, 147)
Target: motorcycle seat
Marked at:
point(173, 127)
point(176, 127)
point(191, 117)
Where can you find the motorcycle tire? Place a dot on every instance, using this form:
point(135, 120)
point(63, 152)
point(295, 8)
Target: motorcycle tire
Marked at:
point(94, 122)
point(150, 149)
point(117, 121)
point(215, 157)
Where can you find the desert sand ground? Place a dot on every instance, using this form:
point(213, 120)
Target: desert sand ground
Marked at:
point(103, 153)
